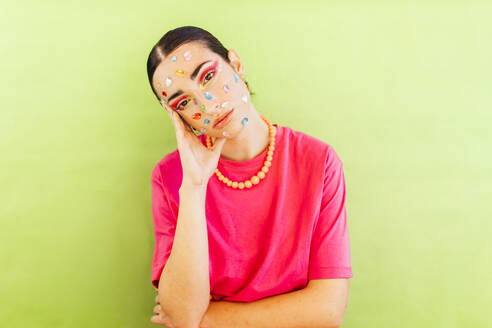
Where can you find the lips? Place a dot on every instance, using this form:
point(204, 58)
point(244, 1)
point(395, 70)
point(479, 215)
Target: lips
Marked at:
point(222, 117)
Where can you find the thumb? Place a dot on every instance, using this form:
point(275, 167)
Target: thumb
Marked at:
point(219, 143)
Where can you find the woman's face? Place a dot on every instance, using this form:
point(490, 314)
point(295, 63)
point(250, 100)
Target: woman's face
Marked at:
point(201, 86)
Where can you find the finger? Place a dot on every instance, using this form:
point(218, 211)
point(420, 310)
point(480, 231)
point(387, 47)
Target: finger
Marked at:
point(157, 299)
point(157, 309)
point(157, 319)
point(218, 144)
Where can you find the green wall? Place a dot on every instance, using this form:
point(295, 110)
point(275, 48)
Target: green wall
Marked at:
point(402, 91)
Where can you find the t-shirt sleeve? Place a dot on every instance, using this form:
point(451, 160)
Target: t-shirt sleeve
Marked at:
point(164, 225)
point(330, 246)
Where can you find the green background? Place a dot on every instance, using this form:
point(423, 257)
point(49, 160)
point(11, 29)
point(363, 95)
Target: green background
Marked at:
point(402, 91)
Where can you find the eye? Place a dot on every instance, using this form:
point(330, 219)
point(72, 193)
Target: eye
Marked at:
point(208, 77)
point(184, 103)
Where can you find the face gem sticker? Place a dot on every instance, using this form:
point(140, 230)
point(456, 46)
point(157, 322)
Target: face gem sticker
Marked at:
point(164, 93)
point(203, 130)
point(226, 105)
point(168, 81)
point(244, 98)
point(208, 95)
point(244, 121)
point(226, 88)
point(236, 78)
point(206, 121)
point(174, 58)
point(180, 73)
point(203, 108)
point(158, 84)
point(194, 101)
point(224, 133)
point(187, 56)
point(197, 116)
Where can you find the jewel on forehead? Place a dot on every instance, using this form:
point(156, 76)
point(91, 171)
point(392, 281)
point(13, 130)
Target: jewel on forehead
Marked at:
point(168, 81)
point(197, 116)
point(226, 88)
point(174, 58)
point(244, 121)
point(187, 56)
point(180, 73)
point(236, 77)
point(244, 98)
point(206, 121)
point(208, 95)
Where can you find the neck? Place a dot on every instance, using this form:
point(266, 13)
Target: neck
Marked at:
point(250, 142)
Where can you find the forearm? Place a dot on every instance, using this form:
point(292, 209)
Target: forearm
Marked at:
point(299, 309)
point(184, 285)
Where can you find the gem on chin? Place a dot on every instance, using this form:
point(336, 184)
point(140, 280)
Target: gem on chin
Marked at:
point(187, 56)
point(206, 121)
point(226, 88)
point(174, 58)
point(244, 98)
point(168, 81)
point(244, 121)
point(197, 116)
point(208, 95)
point(180, 73)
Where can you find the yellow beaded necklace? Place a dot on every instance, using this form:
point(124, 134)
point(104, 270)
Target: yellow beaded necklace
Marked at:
point(255, 179)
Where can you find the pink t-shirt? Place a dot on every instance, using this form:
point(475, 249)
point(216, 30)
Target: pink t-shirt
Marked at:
point(269, 239)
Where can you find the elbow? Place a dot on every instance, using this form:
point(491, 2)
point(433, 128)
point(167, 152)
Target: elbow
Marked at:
point(334, 321)
point(184, 314)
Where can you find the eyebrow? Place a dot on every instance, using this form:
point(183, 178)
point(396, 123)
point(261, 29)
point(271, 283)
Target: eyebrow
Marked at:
point(193, 76)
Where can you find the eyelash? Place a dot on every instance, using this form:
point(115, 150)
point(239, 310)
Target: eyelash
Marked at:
point(187, 100)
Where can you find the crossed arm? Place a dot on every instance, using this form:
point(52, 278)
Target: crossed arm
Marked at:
point(321, 304)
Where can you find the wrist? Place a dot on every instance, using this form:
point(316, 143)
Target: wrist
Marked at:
point(190, 186)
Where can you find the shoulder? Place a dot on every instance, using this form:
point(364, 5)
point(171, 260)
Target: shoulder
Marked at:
point(310, 148)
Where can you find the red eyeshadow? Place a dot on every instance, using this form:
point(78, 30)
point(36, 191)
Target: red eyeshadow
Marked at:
point(175, 104)
point(214, 66)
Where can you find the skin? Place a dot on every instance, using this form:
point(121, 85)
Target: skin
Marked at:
point(243, 142)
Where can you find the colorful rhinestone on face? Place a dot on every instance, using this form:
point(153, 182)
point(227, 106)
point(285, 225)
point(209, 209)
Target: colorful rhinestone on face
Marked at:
point(244, 121)
point(164, 93)
point(187, 56)
point(158, 84)
point(180, 73)
point(174, 58)
point(203, 130)
point(206, 121)
point(194, 101)
point(208, 95)
point(226, 105)
point(244, 98)
point(226, 88)
point(224, 133)
point(236, 78)
point(197, 116)
point(168, 81)
point(203, 108)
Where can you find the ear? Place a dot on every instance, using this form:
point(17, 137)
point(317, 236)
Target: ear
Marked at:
point(236, 63)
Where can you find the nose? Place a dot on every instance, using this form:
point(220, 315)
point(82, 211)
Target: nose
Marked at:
point(209, 106)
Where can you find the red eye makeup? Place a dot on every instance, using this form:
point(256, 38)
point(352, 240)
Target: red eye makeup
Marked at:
point(205, 72)
point(175, 105)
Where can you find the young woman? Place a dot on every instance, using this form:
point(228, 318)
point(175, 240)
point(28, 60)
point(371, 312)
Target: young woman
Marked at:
point(249, 216)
